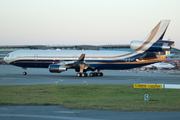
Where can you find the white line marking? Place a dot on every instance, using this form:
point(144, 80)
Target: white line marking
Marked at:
point(47, 116)
point(66, 112)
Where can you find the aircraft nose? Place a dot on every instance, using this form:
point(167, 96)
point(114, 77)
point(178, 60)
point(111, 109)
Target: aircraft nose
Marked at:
point(6, 59)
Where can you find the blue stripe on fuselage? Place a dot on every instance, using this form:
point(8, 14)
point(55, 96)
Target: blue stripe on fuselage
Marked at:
point(97, 64)
point(37, 64)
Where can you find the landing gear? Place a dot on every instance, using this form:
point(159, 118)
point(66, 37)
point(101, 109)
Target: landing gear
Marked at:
point(84, 74)
point(92, 74)
point(78, 74)
point(98, 73)
point(81, 74)
point(82, 71)
point(24, 73)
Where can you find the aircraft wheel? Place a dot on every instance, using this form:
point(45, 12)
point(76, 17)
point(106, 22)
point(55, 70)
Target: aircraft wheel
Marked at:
point(100, 74)
point(79, 75)
point(24, 73)
point(95, 74)
point(84, 74)
point(91, 74)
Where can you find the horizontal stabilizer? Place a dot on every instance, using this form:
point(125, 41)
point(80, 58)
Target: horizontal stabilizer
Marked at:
point(169, 43)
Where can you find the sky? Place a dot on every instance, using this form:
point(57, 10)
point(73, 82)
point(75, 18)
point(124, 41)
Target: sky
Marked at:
point(85, 22)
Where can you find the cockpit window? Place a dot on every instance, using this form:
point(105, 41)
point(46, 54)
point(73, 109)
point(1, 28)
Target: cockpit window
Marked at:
point(7, 55)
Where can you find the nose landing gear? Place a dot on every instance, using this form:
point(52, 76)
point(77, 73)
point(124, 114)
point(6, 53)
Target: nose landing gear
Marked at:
point(24, 73)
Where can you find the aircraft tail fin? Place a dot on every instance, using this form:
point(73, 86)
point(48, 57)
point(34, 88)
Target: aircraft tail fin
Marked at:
point(153, 41)
point(158, 32)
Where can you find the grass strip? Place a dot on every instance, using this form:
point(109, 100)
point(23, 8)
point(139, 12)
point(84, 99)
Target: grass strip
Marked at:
point(101, 97)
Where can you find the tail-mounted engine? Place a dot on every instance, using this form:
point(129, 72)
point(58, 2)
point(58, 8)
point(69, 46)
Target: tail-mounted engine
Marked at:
point(151, 47)
point(154, 42)
point(55, 68)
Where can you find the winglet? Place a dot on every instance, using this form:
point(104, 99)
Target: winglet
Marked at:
point(81, 58)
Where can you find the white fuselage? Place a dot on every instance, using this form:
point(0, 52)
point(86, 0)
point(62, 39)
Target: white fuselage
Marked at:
point(65, 55)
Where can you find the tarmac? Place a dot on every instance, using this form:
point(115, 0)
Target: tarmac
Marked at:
point(11, 75)
point(60, 113)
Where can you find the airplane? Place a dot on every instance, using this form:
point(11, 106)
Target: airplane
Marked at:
point(160, 66)
point(58, 61)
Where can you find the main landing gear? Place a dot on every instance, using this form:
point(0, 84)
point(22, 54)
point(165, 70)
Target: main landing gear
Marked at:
point(81, 74)
point(92, 74)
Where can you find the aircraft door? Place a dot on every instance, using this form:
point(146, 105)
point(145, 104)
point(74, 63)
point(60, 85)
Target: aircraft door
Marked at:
point(36, 57)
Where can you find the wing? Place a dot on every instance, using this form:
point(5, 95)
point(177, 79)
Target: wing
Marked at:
point(79, 65)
